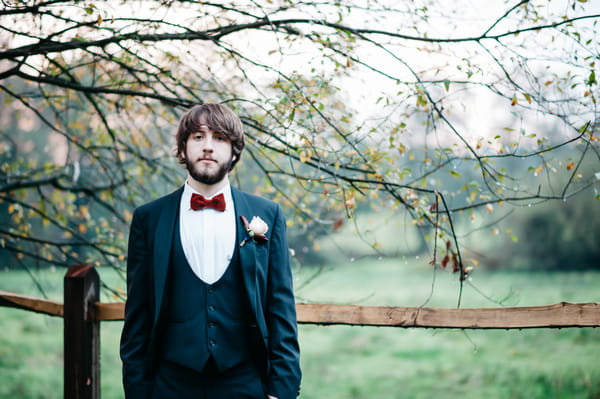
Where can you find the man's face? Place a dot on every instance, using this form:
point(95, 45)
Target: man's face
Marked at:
point(208, 156)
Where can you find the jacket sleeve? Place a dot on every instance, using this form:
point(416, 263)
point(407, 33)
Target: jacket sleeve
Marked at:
point(284, 354)
point(138, 314)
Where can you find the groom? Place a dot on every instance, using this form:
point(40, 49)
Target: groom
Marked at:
point(210, 309)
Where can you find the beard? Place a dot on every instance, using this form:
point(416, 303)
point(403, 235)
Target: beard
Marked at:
point(208, 177)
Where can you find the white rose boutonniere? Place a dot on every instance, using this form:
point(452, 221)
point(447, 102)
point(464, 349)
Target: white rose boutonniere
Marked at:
point(255, 230)
point(258, 226)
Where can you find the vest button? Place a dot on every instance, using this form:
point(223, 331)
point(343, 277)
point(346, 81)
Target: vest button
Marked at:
point(212, 342)
point(211, 308)
point(211, 325)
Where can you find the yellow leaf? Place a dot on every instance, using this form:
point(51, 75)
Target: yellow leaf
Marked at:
point(127, 214)
point(472, 196)
point(85, 211)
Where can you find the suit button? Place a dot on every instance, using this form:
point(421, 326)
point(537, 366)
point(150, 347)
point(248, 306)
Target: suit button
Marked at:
point(211, 325)
point(211, 290)
point(211, 308)
point(212, 343)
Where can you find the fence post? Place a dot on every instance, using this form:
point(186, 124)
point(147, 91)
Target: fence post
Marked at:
point(81, 333)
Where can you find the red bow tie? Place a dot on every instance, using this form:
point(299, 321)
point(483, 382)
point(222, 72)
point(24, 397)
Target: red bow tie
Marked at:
point(199, 202)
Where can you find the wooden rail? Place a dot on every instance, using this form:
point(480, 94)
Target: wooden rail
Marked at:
point(559, 315)
point(26, 302)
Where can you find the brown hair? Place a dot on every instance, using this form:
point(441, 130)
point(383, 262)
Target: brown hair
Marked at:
point(218, 118)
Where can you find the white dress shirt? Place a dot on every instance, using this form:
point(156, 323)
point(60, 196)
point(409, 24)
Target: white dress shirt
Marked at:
point(207, 235)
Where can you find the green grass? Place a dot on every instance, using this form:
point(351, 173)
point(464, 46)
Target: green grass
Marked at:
point(372, 362)
point(365, 362)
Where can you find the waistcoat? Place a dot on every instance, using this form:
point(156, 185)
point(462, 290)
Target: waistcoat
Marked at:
point(205, 320)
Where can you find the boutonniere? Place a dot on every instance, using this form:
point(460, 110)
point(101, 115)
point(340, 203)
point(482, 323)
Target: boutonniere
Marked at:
point(255, 230)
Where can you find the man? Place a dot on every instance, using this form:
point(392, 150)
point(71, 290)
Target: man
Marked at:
point(210, 310)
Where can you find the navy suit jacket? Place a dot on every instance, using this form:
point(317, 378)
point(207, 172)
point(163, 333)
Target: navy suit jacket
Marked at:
point(267, 279)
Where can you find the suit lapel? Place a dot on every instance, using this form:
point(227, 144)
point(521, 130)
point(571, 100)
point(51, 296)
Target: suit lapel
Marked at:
point(247, 252)
point(163, 241)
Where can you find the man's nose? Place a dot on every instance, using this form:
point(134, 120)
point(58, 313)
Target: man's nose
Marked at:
point(208, 144)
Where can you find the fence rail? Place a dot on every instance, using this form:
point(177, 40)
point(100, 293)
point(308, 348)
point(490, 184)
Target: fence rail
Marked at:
point(559, 315)
point(82, 314)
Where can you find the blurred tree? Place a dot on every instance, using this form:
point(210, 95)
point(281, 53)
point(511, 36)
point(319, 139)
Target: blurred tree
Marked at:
point(555, 239)
point(412, 107)
point(552, 235)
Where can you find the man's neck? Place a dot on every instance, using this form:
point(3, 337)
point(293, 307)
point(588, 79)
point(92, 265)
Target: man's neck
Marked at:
point(207, 190)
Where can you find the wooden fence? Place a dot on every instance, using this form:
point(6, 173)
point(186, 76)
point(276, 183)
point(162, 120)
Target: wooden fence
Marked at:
point(82, 314)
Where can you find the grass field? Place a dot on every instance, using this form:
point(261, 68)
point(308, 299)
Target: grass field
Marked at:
point(365, 362)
